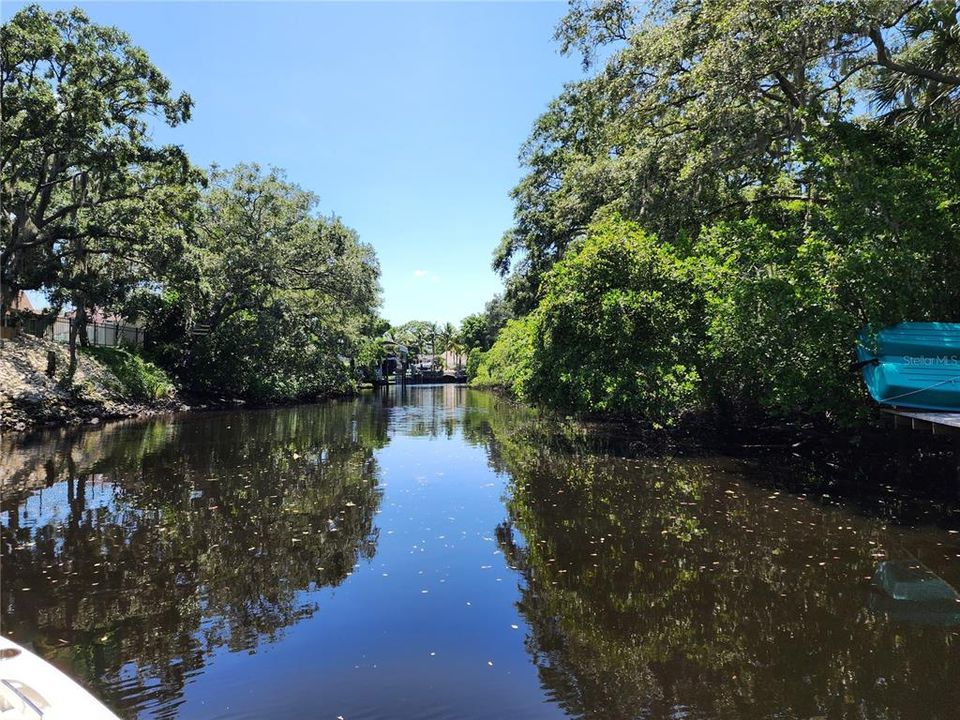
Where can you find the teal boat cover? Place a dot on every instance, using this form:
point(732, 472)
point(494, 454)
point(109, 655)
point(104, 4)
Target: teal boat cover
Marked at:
point(910, 593)
point(913, 365)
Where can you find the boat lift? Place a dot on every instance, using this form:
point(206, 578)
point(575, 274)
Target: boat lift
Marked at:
point(938, 423)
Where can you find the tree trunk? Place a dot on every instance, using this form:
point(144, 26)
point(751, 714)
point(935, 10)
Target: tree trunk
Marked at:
point(78, 324)
point(84, 337)
point(72, 367)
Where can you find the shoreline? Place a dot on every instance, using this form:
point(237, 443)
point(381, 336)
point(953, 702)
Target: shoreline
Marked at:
point(32, 400)
point(874, 469)
point(751, 435)
point(87, 415)
point(709, 432)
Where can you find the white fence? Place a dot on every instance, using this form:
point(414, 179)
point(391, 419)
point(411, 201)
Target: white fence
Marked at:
point(103, 334)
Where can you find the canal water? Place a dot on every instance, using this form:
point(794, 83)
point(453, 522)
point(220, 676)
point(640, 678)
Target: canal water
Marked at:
point(444, 554)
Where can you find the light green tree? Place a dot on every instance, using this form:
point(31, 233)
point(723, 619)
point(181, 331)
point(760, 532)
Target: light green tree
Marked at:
point(286, 294)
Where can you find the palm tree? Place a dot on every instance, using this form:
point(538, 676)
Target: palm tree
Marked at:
point(458, 349)
point(920, 80)
point(450, 341)
point(445, 336)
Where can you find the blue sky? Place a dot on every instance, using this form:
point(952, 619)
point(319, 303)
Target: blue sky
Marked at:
point(405, 118)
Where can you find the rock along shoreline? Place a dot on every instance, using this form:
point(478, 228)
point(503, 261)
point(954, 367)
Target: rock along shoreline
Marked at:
point(29, 398)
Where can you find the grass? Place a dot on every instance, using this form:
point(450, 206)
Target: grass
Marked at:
point(140, 380)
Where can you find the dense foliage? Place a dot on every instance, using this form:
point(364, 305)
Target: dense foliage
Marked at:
point(278, 298)
point(798, 159)
point(789, 289)
point(244, 288)
point(480, 330)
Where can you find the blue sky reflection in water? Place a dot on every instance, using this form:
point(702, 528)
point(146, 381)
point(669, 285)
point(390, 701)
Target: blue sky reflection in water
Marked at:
point(448, 555)
point(412, 632)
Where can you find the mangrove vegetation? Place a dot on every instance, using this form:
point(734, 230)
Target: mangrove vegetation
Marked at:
point(733, 193)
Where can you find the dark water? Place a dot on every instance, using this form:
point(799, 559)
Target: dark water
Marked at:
point(447, 555)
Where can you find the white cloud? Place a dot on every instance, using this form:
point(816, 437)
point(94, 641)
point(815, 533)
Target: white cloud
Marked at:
point(426, 275)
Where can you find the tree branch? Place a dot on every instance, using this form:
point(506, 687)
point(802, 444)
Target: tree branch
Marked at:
point(765, 198)
point(884, 59)
point(788, 89)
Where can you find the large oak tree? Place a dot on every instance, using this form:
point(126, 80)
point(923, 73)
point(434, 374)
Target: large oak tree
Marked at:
point(90, 205)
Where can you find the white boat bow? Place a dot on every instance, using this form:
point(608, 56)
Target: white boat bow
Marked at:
point(32, 688)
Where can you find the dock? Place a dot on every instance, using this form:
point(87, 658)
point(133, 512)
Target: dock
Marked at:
point(936, 422)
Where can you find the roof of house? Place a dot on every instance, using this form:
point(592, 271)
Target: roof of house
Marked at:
point(100, 316)
point(22, 302)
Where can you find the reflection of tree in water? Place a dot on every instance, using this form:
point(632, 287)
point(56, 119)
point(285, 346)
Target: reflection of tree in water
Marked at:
point(424, 410)
point(484, 411)
point(205, 539)
point(661, 588)
point(441, 410)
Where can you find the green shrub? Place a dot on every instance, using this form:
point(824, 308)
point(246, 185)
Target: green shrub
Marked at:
point(616, 332)
point(139, 380)
point(278, 359)
point(760, 311)
point(473, 362)
point(508, 364)
point(618, 328)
